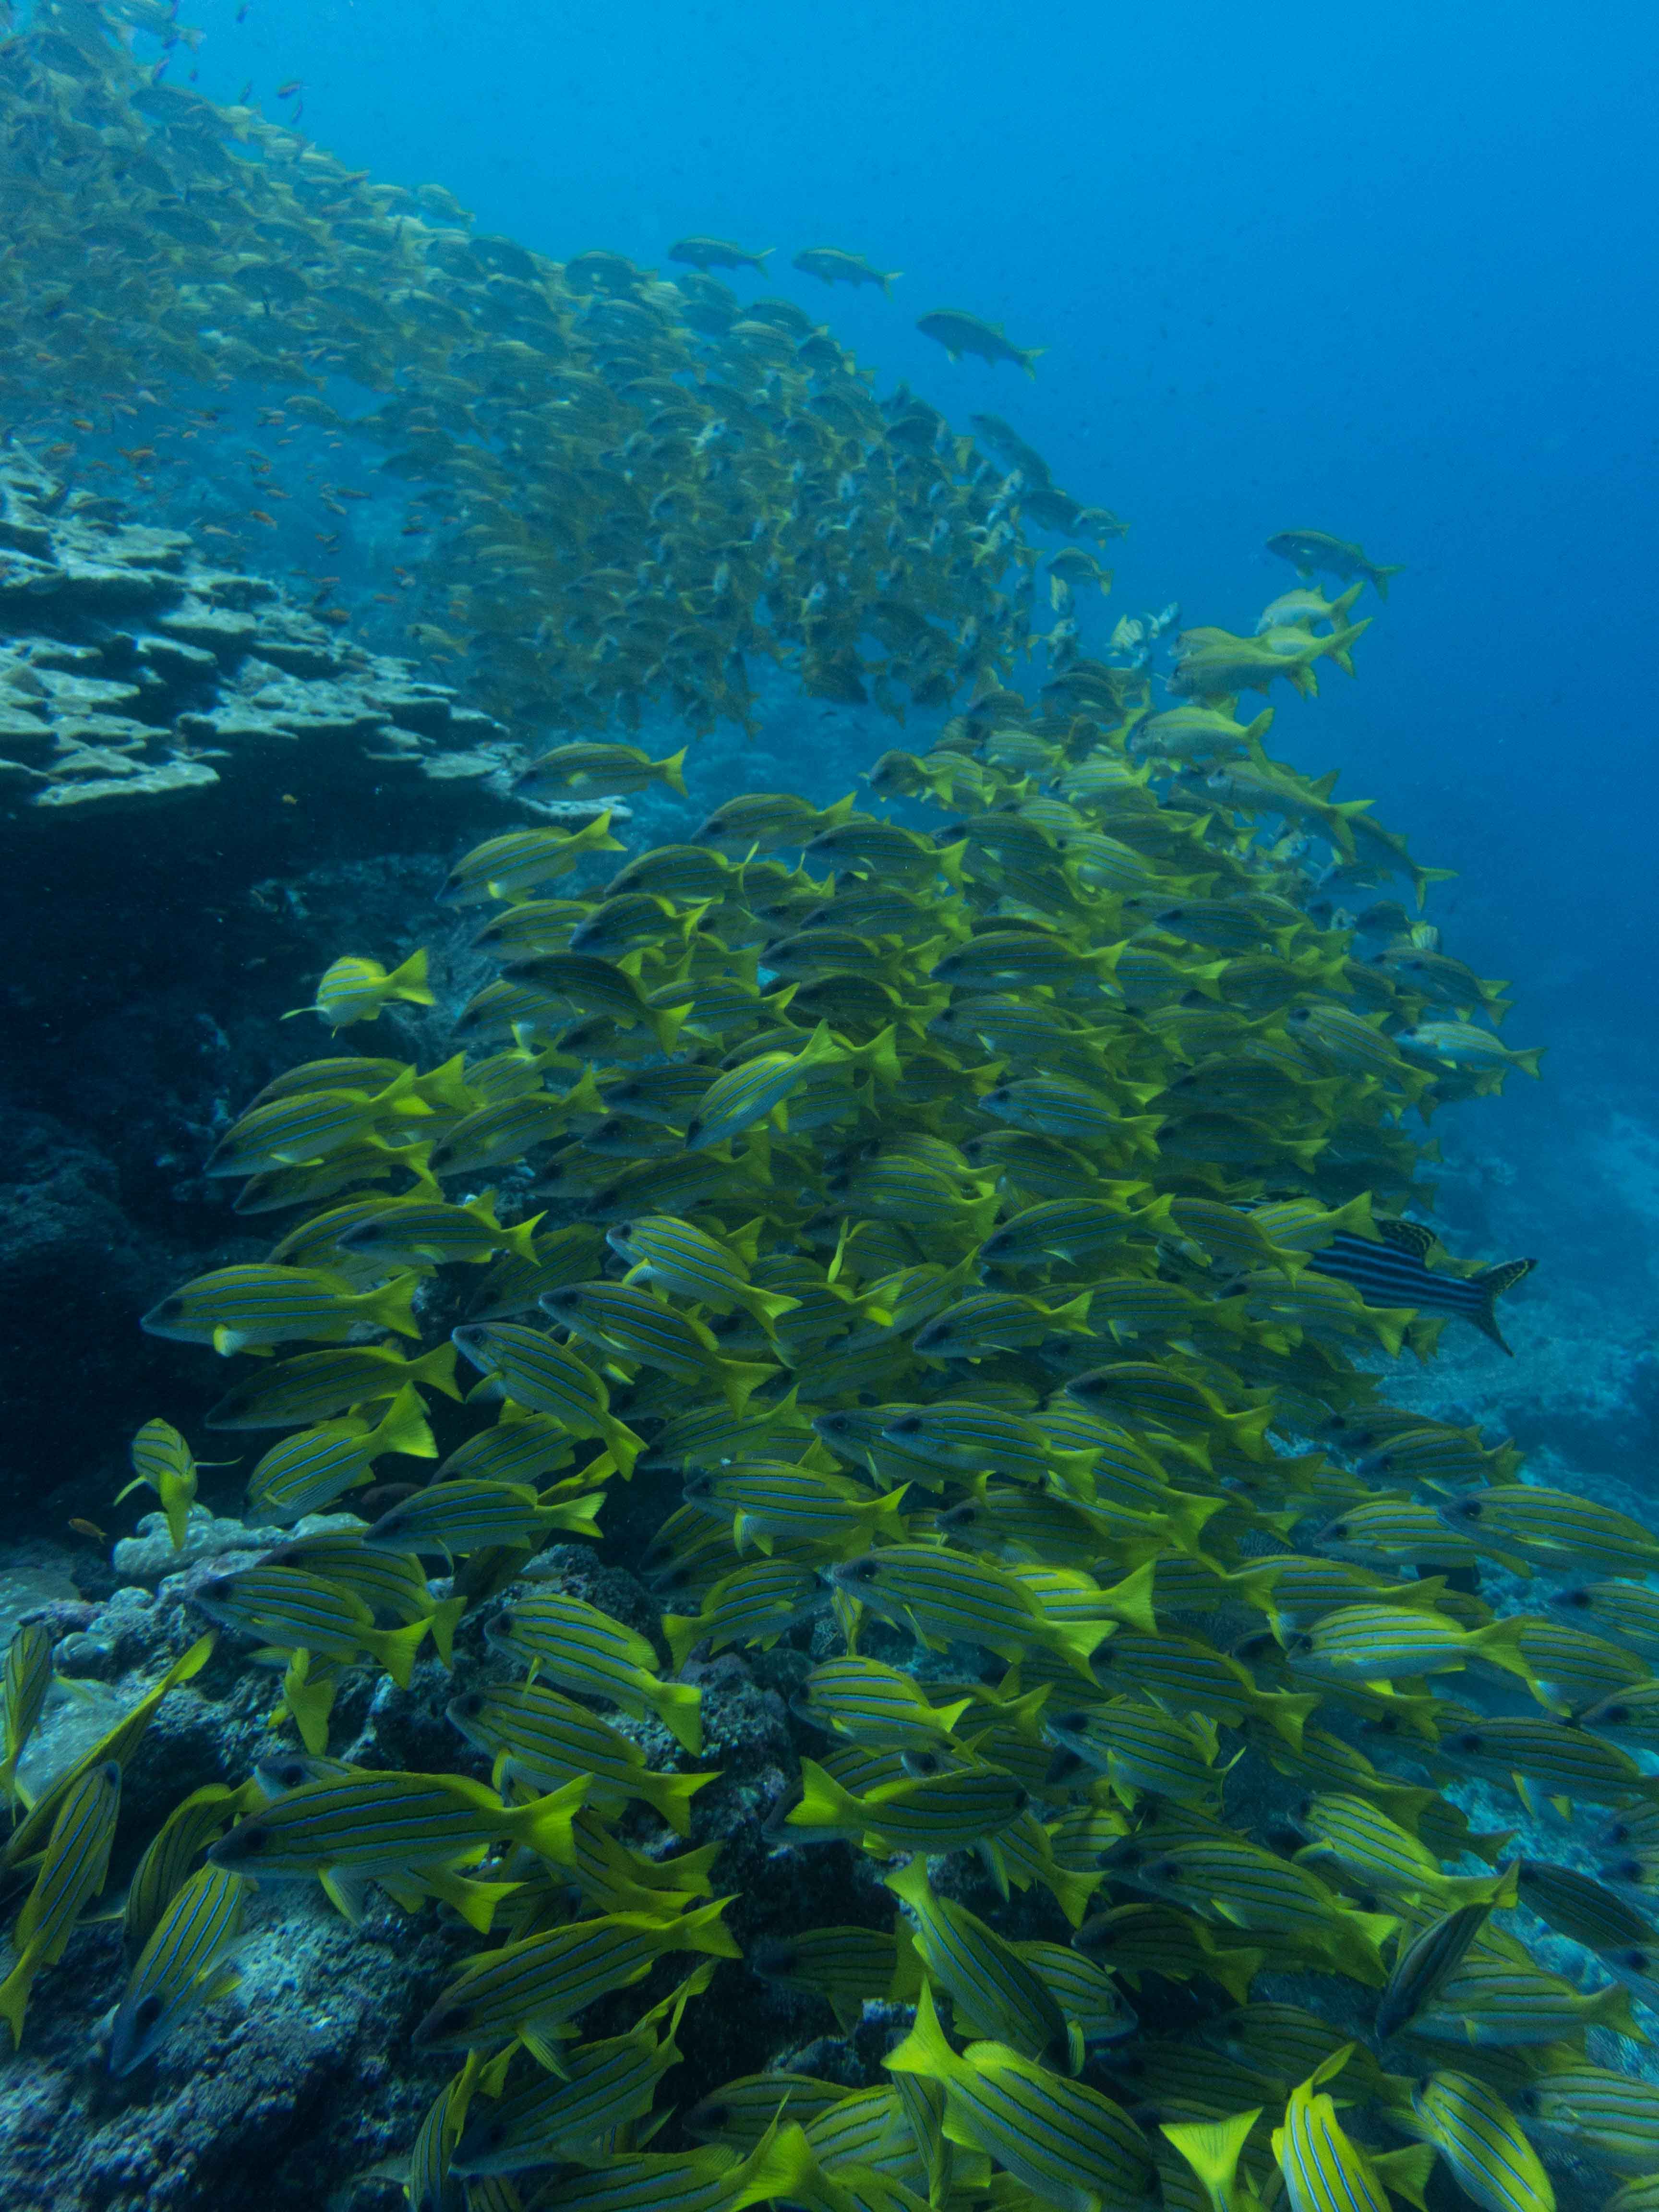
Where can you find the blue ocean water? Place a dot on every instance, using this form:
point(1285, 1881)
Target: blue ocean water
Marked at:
point(1390, 279)
point(1387, 274)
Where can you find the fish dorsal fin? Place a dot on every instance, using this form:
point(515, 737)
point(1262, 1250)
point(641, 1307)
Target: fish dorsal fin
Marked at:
point(1408, 1236)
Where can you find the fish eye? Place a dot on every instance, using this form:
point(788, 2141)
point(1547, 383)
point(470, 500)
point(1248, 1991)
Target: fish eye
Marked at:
point(1339, 1532)
point(1580, 1598)
point(862, 1570)
point(147, 2010)
point(1636, 1959)
point(1076, 1723)
point(1615, 1716)
point(1468, 1739)
point(251, 1838)
point(450, 2021)
point(714, 2116)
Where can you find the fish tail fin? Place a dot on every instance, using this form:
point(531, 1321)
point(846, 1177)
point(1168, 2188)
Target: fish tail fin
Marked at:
point(624, 1446)
point(1342, 608)
point(1528, 1062)
point(1029, 357)
point(1610, 2008)
point(1212, 2149)
point(703, 1929)
point(437, 1367)
point(678, 1706)
point(1405, 2173)
point(670, 1795)
point(673, 771)
point(767, 1306)
point(682, 1631)
point(392, 1306)
point(926, 2050)
point(1074, 1892)
point(521, 1239)
point(1380, 576)
point(1234, 1970)
point(1342, 641)
point(1421, 877)
point(396, 1648)
point(308, 1699)
point(740, 1379)
point(1255, 733)
point(666, 1023)
point(15, 1990)
point(879, 1055)
point(410, 981)
point(823, 1803)
point(1492, 1283)
point(443, 1620)
point(446, 1085)
point(544, 1825)
point(476, 1901)
point(782, 2169)
point(404, 1428)
point(578, 1515)
point(1287, 1712)
point(888, 278)
point(1130, 1600)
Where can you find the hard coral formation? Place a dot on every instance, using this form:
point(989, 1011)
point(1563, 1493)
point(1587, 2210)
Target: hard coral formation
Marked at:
point(130, 669)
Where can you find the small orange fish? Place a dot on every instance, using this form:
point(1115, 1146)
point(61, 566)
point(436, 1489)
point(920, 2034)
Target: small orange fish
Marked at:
point(89, 1528)
point(258, 514)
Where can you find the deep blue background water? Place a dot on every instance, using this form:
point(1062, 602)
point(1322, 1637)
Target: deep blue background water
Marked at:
point(1388, 273)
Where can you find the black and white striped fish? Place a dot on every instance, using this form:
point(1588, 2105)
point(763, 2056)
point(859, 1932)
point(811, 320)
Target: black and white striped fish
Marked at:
point(1396, 1273)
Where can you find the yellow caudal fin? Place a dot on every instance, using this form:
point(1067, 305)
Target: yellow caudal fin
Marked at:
point(681, 1632)
point(578, 1515)
point(396, 1648)
point(443, 1620)
point(1212, 2149)
point(404, 1429)
point(822, 1802)
point(544, 1825)
point(1130, 1600)
point(670, 1795)
point(15, 1990)
point(678, 1706)
point(308, 1696)
point(1286, 1712)
point(476, 1901)
point(926, 2049)
point(410, 981)
point(437, 1367)
point(672, 771)
point(1405, 2173)
point(1610, 2008)
point(704, 1928)
point(739, 1379)
point(521, 1240)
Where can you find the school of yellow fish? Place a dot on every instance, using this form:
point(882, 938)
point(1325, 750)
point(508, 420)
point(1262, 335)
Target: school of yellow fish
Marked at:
point(943, 1223)
point(616, 490)
point(984, 1232)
